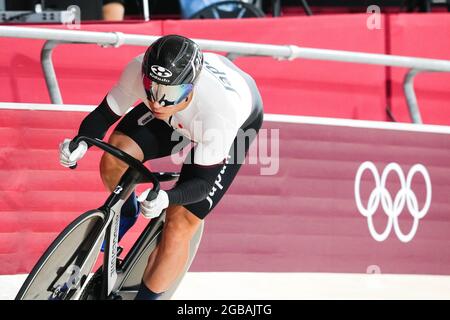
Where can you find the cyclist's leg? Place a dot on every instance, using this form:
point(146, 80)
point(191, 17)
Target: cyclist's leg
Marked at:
point(169, 260)
point(111, 169)
point(143, 137)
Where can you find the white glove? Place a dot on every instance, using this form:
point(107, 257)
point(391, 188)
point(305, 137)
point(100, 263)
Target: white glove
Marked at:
point(152, 209)
point(69, 159)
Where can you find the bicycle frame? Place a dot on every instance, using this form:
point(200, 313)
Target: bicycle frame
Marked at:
point(112, 208)
point(113, 278)
point(136, 173)
point(64, 268)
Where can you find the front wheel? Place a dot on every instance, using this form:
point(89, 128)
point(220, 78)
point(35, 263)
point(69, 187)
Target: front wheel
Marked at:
point(65, 266)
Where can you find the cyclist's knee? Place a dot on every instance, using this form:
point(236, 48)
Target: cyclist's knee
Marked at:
point(111, 168)
point(181, 224)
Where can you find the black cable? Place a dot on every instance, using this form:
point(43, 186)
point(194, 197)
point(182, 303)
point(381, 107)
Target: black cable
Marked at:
point(390, 114)
point(18, 16)
point(307, 8)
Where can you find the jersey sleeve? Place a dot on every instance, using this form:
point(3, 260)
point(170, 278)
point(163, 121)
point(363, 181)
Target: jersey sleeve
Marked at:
point(97, 122)
point(125, 92)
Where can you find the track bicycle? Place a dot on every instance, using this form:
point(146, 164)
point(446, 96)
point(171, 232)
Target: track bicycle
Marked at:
point(64, 270)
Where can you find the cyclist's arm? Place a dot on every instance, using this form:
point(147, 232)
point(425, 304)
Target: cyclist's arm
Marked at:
point(194, 185)
point(116, 103)
point(199, 172)
point(97, 123)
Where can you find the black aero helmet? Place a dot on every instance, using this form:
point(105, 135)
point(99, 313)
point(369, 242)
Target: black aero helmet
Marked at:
point(172, 60)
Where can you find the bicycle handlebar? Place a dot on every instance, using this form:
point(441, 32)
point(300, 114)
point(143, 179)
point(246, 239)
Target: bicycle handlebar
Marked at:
point(147, 175)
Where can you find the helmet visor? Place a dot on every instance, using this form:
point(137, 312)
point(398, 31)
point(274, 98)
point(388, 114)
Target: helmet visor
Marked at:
point(166, 95)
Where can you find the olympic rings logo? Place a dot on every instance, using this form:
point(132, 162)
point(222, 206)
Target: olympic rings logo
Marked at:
point(393, 206)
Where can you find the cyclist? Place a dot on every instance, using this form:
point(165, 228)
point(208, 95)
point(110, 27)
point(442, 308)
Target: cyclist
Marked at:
point(187, 95)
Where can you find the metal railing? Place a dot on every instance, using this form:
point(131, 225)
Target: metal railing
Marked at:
point(234, 49)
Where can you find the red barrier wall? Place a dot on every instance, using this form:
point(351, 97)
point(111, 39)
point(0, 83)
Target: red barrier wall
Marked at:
point(85, 72)
point(307, 87)
point(38, 197)
point(428, 36)
point(318, 88)
point(302, 219)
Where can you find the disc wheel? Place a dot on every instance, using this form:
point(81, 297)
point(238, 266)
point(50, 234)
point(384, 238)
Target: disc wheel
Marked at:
point(65, 266)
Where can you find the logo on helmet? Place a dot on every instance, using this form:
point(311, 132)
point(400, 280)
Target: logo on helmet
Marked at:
point(161, 71)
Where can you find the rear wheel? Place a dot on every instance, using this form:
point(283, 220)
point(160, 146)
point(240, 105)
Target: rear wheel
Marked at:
point(65, 266)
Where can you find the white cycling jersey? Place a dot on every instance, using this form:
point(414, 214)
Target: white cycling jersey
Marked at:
point(221, 103)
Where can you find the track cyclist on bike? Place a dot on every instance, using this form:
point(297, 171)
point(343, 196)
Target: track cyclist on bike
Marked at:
point(185, 94)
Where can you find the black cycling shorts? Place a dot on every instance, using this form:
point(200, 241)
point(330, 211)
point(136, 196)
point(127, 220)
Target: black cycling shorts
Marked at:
point(156, 139)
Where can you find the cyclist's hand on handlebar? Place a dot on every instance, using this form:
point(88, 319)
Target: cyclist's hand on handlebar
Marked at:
point(69, 159)
point(153, 208)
